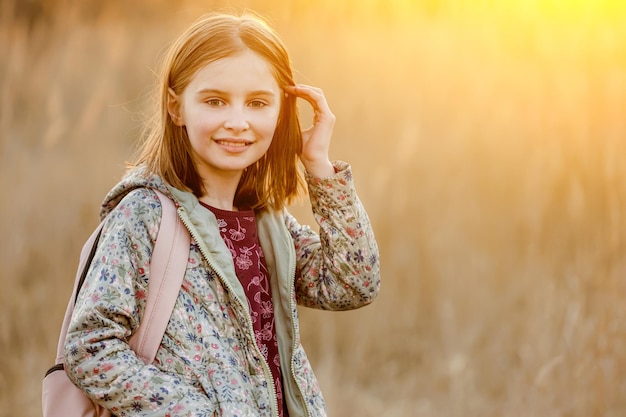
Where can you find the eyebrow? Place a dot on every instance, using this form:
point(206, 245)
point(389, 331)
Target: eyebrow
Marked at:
point(224, 93)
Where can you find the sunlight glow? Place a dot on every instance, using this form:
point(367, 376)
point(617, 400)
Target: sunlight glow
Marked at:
point(553, 10)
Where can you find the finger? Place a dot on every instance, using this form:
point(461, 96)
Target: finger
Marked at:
point(311, 94)
point(315, 97)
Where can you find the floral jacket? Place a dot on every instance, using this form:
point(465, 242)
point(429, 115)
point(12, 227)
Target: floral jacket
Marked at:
point(208, 362)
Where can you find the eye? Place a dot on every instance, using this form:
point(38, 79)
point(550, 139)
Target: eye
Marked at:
point(257, 103)
point(215, 102)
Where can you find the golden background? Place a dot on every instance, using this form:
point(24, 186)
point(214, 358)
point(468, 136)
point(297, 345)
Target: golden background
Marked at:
point(487, 140)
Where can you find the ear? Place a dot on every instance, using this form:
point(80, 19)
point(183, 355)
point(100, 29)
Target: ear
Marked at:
point(174, 108)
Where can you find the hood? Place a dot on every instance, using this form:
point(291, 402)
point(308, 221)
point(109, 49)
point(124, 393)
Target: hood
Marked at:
point(135, 178)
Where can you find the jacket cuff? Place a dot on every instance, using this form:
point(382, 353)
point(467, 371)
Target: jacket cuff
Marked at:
point(336, 190)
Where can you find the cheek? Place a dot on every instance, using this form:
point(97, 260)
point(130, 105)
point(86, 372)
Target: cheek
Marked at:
point(201, 124)
point(268, 124)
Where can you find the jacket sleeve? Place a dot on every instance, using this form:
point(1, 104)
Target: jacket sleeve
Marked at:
point(110, 304)
point(337, 269)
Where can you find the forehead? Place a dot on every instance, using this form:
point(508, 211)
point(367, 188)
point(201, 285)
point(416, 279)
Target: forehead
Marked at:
point(244, 71)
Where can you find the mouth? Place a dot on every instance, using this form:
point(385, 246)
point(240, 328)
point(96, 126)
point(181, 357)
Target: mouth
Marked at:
point(234, 143)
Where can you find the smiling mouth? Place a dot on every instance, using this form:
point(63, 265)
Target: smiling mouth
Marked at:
point(232, 143)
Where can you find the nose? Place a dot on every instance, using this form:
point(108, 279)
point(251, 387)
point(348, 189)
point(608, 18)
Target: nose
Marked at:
point(236, 119)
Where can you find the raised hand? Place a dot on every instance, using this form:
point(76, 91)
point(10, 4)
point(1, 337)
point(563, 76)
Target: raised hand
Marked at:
point(316, 138)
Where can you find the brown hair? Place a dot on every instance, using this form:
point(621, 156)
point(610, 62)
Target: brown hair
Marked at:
point(271, 182)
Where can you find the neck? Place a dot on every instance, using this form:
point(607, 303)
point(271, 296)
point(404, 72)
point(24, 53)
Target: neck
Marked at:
point(220, 192)
point(222, 204)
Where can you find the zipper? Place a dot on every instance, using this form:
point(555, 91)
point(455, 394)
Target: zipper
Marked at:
point(292, 306)
point(266, 369)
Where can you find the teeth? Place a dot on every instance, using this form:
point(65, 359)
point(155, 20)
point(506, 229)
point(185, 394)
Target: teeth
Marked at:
point(236, 144)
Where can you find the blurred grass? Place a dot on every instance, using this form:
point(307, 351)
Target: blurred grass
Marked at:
point(487, 139)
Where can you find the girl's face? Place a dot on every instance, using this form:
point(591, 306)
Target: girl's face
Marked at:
point(230, 110)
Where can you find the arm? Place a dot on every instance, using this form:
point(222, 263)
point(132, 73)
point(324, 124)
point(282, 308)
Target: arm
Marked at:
point(337, 269)
point(108, 309)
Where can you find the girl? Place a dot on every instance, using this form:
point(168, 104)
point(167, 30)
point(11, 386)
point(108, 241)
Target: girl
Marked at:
point(224, 146)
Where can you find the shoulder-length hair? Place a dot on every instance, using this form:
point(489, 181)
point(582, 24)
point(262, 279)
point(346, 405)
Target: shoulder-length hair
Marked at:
point(275, 179)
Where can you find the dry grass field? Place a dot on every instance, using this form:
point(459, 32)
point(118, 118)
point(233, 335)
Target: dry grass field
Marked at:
point(488, 141)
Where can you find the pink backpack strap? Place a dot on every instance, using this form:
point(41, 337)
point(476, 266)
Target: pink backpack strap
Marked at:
point(167, 269)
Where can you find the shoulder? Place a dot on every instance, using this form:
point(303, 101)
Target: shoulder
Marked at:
point(137, 202)
point(138, 212)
